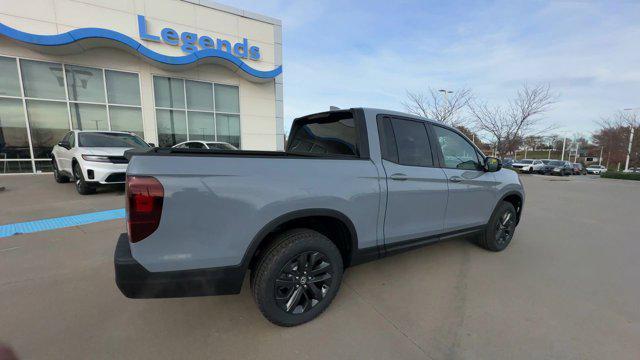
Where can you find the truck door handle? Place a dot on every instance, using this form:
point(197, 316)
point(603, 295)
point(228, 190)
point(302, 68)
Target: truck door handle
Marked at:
point(398, 176)
point(455, 178)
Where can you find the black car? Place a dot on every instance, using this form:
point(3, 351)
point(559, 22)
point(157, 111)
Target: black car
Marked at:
point(557, 167)
point(578, 169)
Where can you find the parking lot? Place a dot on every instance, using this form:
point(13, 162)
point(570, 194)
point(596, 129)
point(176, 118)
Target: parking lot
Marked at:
point(567, 287)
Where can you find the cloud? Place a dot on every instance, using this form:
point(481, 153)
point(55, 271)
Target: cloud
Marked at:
point(368, 53)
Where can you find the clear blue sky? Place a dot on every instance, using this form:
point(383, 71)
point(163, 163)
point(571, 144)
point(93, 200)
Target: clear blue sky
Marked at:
point(369, 53)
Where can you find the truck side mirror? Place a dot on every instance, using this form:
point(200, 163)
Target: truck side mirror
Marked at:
point(64, 144)
point(492, 164)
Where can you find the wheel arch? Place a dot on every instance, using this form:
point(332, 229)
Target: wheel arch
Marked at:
point(331, 223)
point(516, 199)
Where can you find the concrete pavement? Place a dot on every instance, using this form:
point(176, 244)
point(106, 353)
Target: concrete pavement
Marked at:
point(566, 288)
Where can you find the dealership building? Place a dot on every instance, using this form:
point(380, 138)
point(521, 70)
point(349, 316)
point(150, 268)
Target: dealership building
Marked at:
point(168, 70)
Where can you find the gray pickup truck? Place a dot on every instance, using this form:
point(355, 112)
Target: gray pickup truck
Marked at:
point(352, 186)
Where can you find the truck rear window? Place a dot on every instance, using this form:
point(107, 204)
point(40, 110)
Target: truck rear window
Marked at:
point(325, 134)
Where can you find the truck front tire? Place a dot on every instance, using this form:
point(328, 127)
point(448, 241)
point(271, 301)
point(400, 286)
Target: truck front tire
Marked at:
point(297, 277)
point(500, 228)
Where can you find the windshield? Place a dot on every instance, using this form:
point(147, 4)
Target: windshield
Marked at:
point(221, 146)
point(556, 163)
point(525, 161)
point(106, 139)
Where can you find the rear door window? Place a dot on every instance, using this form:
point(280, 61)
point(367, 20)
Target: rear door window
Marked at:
point(404, 142)
point(412, 142)
point(326, 134)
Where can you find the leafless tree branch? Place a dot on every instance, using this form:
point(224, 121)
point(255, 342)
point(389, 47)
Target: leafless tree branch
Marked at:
point(521, 118)
point(447, 109)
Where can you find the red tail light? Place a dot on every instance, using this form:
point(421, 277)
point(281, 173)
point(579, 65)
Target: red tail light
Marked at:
point(144, 206)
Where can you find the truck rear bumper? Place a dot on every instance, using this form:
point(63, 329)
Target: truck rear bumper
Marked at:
point(134, 281)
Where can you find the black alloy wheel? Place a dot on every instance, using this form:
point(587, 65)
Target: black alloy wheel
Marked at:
point(303, 282)
point(82, 186)
point(500, 229)
point(297, 277)
point(505, 228)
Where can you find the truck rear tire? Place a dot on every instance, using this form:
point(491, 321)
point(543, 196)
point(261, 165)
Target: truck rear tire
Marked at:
point(500, 228)
point(297, 277)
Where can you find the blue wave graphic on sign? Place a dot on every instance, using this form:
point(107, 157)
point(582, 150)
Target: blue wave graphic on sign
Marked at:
point(116, 38)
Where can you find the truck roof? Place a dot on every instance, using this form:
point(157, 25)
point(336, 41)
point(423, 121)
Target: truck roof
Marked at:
point(375, 111)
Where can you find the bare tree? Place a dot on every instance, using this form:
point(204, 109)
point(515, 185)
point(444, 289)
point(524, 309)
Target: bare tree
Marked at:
point(445, 108)
point(520, 118)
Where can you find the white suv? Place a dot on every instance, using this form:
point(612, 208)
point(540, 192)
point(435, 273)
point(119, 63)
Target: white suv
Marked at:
point(528, 165)
point(596, 169)
point(93, 157)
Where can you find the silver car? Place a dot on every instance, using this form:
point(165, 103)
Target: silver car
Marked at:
point(201, 144)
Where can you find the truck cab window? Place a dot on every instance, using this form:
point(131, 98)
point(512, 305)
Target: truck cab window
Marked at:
point(329, 134)
point(457, 152)
point(404, 142)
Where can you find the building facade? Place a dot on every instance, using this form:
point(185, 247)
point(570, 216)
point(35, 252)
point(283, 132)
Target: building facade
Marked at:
point(168, 70)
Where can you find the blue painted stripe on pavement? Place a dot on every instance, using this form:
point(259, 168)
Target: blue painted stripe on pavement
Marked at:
point(60, 222)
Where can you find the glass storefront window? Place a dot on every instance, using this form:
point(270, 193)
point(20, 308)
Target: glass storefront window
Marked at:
point(172, 127)
point(15, 167)
point(85, 84)
point(227, 99)
point(201, 126)
point(48, 122)
point(88, 117)
point(9, 81)
point(228, 129)
point(52, 110)
point(199, 95)
point(14, 141)
point(168, 92)
point(42, 80)
point(44, 166)
point(205, 103)
point(126, 119)
point(122, 88)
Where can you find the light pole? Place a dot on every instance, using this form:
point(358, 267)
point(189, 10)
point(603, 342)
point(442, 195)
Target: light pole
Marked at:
point(445, 94)
point(600, 158)
point(631, 127)
point(564, 143)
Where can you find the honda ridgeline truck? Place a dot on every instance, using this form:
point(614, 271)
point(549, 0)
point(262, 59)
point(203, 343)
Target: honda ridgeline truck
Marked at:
point(352, 186)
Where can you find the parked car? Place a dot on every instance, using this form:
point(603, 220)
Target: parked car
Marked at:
point(596, 169)
point(352, 186)
point(632, 170)
point(212, 145)
point(92, 158)
point(557, 167)
point(528, 165)
point(507, 162)
point(578, 169)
